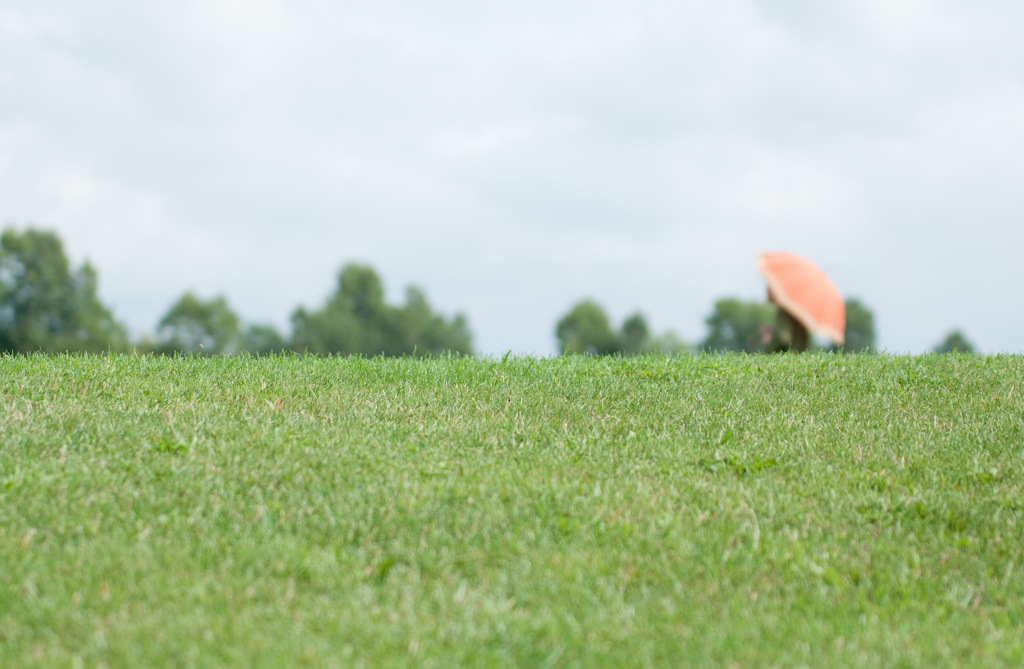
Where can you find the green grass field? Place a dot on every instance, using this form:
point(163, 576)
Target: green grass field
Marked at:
point(733, 511)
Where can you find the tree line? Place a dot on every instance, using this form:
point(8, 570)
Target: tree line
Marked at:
point(48, 306)
point(734, 325)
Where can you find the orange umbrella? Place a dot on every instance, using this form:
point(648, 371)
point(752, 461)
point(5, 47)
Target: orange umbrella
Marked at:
point(801, 288)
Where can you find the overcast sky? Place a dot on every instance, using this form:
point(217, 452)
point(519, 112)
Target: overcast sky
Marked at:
point(513, 158)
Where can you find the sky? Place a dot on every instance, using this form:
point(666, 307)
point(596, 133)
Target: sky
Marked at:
point(513, 158)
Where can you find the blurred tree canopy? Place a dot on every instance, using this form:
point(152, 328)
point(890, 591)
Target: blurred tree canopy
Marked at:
point(44, 305)
point(860, 328)
point(263, 340)
point(47, 306)
point(955, 342)
point(193, 325)
point(635, 336)
point(735, 325)
point(356, 320)
point(211, 327)
point(586, 329)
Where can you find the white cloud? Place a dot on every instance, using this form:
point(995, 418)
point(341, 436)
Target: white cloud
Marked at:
point(780, 188)
point(244, 43)
point(979, 134)
point(456, 143)
point(908, 23)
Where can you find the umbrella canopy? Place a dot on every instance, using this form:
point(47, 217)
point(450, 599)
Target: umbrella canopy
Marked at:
point(801, 288)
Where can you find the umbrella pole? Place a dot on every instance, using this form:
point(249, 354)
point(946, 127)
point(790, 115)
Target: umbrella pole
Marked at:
point(789, 334)
point(800, 337)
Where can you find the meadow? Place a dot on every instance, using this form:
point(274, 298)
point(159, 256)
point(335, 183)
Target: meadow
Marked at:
point(722, 511)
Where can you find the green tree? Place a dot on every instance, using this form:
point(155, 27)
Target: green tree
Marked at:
point(193, 325)
point(263, 340)
point(669, 343)
point(735, 325)
point(636, 336)
point(351, 322)
point(637, 339)
point(860, 328)
point(586, 329)
point(955, 342)
point(45, 305)
point(415, 328)
point(356, 320)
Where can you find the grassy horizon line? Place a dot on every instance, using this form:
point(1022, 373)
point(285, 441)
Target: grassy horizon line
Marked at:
point(702, 510)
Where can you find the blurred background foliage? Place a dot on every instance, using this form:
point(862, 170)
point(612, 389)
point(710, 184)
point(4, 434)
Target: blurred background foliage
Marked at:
point(48, 306)
point(356, 320)
point(955, 342)
point(587, 329)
